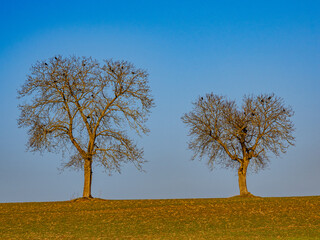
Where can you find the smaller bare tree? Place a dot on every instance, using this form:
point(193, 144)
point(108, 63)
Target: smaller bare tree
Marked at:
point(83, 106)
point(222, 132)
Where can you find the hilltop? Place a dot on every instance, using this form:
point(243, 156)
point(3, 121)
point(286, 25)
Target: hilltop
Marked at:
point(229, 218)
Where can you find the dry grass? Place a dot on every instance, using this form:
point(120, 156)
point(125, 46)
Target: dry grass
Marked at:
point(232, 218)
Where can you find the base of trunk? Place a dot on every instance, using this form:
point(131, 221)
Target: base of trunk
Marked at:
point(248, 195)
point(85, 199)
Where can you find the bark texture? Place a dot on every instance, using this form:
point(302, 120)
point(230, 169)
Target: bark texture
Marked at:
point(242, 174)
point(87, 178)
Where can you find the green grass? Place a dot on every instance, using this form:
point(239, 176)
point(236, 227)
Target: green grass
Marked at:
point(231, 218)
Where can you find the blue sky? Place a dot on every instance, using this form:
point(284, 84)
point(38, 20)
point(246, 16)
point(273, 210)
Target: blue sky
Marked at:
point(189, 48)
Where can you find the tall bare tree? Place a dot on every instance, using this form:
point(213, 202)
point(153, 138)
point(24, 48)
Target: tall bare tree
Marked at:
point(235, 136)
point(82, 107)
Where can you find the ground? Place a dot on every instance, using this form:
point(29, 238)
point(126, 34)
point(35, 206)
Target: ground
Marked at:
point(229, 218)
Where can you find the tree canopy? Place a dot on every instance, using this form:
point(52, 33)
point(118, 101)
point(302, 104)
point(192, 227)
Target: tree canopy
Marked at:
point(233, 136)
point(83, 108)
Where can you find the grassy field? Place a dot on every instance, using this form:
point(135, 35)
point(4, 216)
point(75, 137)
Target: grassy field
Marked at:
point(231, 218)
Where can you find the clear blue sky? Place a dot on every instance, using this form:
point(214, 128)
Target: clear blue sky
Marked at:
point(189, 48)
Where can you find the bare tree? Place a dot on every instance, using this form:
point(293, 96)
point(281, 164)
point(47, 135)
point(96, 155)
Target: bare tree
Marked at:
point(82, 107)
point(235, 136)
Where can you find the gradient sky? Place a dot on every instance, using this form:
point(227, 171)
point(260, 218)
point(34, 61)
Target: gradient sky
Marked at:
point(189, 48)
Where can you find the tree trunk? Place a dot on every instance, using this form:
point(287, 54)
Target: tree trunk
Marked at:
point(87, 178)
point(242, 173)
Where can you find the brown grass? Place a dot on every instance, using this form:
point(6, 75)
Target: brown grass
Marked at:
point(231, 218)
